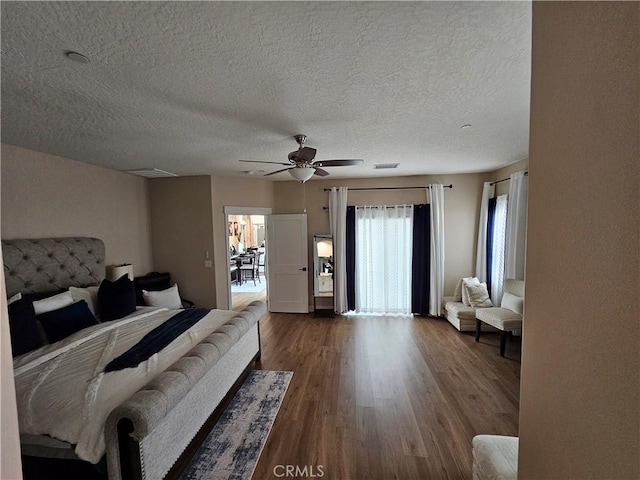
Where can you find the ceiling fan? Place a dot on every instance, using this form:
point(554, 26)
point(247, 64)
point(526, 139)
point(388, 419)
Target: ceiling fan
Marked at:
point(301, 165)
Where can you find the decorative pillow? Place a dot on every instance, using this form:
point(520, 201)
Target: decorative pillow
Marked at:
point(61, 323)
point(478, 295)
point(52, 303)
point(89, 295)
point(23, 327)
point(512, 302)
point(457, 295)
point(151, 282)
point(15, 298)
point(468, 281)
point(169, 298)
point(116, 299)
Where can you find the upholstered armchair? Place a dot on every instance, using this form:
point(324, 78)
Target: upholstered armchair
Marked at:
point(508, 316)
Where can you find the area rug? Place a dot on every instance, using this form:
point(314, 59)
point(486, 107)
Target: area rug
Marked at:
point(248, 286)
point(232, 449)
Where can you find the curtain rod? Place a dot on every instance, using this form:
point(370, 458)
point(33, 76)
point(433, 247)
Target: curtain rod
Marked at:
point(388, 188)
point(505, 179)
point(380, 206)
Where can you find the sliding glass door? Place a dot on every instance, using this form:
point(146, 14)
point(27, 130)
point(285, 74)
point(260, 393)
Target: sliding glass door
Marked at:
point(384, 236)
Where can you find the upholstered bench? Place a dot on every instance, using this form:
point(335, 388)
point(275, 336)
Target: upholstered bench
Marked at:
point(495, 457)
point(460, 309)
point(461, 316)
point(507, 317)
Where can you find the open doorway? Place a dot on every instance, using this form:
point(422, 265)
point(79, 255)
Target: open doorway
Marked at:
point(247, 255)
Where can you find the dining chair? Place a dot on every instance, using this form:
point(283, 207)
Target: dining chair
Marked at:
point(262, 261)
point(249, 266)
point(256, 273)
point(234, 272)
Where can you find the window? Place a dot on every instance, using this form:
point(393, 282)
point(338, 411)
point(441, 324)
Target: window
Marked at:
point(496, 241)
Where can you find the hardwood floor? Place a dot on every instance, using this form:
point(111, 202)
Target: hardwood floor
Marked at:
point(381, 397)
point(241, 300)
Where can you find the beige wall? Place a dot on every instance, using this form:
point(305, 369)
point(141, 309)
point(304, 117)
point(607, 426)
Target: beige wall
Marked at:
point(461, 210)
point(503, 187)
point(188, 220)
point(49, 196)
point(182, 234)
point(236, 192)
point(580, 383)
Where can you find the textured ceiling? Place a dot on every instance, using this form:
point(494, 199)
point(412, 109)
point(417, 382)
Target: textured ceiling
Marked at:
point(192, 87)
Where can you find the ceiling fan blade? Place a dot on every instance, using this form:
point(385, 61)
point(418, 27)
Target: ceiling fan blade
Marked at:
point(278, 171)
point(305, 154)
point(320, 172)
point(338, 163)
point(260, 161)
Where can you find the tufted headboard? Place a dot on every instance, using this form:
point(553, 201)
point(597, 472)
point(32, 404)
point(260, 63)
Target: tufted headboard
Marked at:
point(49, 264)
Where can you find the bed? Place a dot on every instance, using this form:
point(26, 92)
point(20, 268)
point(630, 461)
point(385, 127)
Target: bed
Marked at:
point(129, 395)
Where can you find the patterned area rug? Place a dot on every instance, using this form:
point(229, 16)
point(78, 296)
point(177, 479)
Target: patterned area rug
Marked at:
point(232, 449)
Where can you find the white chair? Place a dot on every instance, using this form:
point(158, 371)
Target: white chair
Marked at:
point(249, 266)
point(508, 316)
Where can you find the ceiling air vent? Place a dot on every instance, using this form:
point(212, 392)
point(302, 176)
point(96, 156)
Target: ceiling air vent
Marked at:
point(380, 166)
point(151, 173)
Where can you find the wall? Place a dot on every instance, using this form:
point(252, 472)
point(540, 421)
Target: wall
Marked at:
point(237, 192)
point(461, 211)
point(10, 466)
point(188, 220)
point(182, 234)
point(580, 362)
point(502, 188)
point(49, 196)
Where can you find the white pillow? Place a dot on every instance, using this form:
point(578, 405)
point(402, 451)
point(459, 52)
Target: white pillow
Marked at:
point(89, 295)
point(457, 294)
point(468, 281)
point(53, 303)
point(15, 298)
point(478, 295)
point(512, 302)
point(169, 298)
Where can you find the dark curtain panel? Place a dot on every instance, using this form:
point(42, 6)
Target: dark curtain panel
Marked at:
point(490, 225)
point(351, 258)
point(421, 260)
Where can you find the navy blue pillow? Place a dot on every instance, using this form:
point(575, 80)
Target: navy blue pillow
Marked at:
point(61, 323)
point(23, 327)
point(116, 299)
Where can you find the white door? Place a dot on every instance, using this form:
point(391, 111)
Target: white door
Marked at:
point(288, 263)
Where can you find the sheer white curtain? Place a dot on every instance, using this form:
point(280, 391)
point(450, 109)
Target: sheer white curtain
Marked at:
point(338, 222)
point(481, 252)
point(384, 236)
point(516, 226)
point(497, 249)
point(435, 197)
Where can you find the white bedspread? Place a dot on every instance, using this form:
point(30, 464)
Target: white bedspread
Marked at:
point(63, 392)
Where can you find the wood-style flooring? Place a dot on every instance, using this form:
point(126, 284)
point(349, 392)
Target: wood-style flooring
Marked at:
point(383, 397)
point(241, 300)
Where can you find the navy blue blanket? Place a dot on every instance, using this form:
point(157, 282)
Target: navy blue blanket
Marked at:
point(157, 339)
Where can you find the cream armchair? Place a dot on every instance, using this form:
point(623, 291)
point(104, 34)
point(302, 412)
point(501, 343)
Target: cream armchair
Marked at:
point(508, 316)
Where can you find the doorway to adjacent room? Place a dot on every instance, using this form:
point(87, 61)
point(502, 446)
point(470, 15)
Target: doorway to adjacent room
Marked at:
point(247, 255)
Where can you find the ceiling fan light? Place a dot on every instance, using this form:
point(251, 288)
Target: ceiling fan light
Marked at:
point(302, 174)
